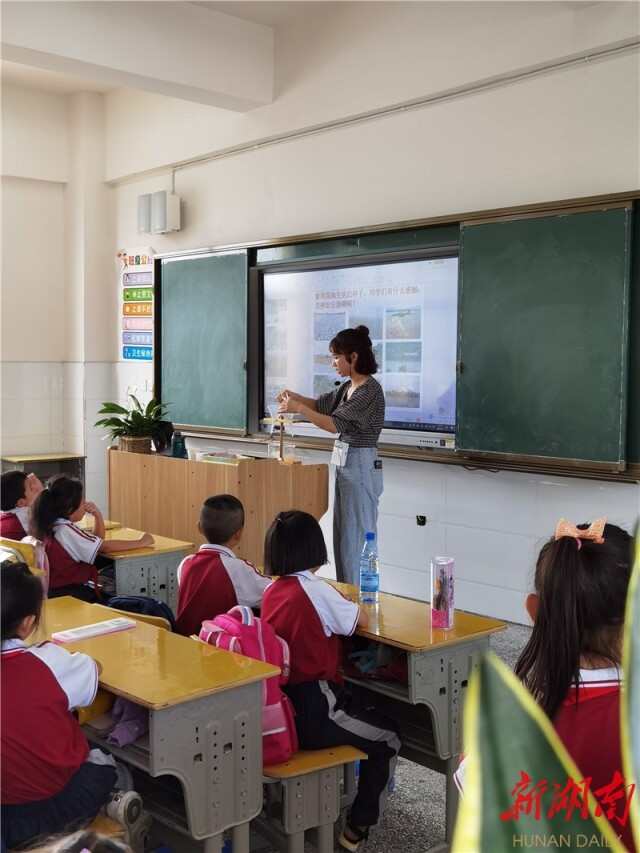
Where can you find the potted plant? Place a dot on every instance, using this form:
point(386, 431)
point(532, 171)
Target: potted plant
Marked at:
point(134, 427)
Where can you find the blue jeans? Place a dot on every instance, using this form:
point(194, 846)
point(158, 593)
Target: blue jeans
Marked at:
point(358, 487)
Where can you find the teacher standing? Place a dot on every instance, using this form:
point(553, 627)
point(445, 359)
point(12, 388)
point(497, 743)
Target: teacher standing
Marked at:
point(355, 410)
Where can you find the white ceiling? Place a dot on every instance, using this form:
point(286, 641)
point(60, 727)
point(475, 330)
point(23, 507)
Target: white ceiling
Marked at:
point(263, 11)
point(259, 11)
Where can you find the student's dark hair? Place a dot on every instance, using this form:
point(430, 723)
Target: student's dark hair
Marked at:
point(220, 517)
point(581, 600)
point(356, 340)
point(21, 595)
point(293, 543)
point(60, 499)
point(12, 488)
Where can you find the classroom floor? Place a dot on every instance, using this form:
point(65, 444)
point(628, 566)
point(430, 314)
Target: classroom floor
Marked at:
point(413, 821)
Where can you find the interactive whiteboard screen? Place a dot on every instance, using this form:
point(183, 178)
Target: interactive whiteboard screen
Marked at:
point(410, 309)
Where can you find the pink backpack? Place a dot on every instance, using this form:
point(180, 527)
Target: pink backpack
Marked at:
point(241, 632)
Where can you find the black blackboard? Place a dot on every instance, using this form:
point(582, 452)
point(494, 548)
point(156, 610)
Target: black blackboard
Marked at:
point(201, 305)
point(543, 337)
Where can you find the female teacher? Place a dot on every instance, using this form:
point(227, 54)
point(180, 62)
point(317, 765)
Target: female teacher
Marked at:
point(356, 411)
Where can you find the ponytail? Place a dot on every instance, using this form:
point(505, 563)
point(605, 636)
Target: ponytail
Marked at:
point(60, 499)
point(581, 587)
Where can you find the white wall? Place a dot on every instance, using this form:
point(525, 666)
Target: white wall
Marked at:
point(567, 133)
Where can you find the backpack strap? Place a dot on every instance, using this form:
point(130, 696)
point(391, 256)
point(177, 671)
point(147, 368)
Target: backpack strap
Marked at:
point(243, 614)
point(211, 630)
point(286, 660)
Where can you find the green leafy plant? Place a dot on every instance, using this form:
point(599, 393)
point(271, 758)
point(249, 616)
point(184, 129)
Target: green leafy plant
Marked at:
point(134, 421)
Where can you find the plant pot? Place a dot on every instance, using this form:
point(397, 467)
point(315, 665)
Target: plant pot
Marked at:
point(134, 443)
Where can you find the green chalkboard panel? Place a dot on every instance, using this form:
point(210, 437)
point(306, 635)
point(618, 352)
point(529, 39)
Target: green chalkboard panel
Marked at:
point(202, 321)
point(543, 337)
point(633, 431)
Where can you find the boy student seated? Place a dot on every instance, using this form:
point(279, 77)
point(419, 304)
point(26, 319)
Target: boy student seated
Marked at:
point(18, 491)
point(213, 580)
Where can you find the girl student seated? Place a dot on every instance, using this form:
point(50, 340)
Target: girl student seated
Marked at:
point(71, 551)
point(572, 661)
point(311, 615)
point(50, 780)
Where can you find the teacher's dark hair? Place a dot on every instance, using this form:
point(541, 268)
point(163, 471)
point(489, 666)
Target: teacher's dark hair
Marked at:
point(293, 543)
point(357, 340)
point(21, 595)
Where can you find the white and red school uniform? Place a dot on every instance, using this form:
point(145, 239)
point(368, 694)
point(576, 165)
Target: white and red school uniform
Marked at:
point(14, 523)
point(588, 724)
point(71, 554)
point(212, 581)
point(42, 744)
point(310, 615)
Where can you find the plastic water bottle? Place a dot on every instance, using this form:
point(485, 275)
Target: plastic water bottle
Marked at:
point(369, 570)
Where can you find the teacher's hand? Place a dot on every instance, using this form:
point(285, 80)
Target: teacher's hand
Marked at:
point(287, 395)
point(288, 405)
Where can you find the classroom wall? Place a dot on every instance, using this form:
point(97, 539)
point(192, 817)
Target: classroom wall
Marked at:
point(493, 523)
point(564, 133)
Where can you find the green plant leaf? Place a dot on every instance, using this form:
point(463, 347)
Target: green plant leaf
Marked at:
point(507, 734)
point(136, 403)
point(134, 421)
point(112, 408)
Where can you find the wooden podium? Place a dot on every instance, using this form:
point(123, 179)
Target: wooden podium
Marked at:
point(163, 495)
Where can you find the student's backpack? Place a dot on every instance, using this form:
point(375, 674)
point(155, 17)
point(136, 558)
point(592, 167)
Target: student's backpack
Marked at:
point(241, 632)
point(146, 605)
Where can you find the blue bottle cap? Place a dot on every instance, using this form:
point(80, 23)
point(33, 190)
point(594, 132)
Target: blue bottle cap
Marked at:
point(369, 536)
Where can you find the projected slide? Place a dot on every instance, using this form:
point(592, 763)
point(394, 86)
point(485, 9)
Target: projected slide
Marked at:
point(410, 309)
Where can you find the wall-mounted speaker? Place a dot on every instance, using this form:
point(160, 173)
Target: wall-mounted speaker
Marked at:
point(165, 212)
point(144, 214)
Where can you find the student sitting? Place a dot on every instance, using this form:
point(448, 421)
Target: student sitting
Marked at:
point(72, 551)
point(571, 663)
point(311, 615)
point(214, 580)
point(17, 492)
point(50, 780)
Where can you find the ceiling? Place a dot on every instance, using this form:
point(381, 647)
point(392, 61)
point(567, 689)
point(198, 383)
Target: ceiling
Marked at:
point(270, 14)
point(263, 12)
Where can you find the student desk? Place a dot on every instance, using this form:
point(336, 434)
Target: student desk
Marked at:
point(429, 709)
point(86, 523)
point(151, 570)
point(45, 465)
point(205, 715)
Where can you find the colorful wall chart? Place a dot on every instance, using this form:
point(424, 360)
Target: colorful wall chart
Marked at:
point(135, 278)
